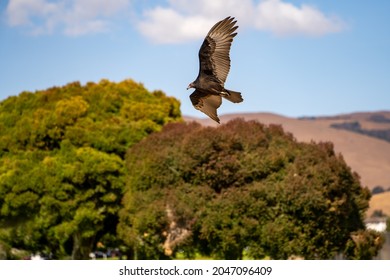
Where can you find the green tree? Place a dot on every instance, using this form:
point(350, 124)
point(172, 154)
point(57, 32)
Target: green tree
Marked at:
point(61, 161)
point(83, 189)
point(364, 244)
point(240, 189)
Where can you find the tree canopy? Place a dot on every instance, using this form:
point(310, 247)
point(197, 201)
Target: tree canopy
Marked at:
point(113, 161)
point(62, 161)
point(242, 189)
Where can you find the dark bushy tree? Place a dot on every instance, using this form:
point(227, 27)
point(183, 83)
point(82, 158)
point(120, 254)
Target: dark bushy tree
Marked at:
point(239, 189)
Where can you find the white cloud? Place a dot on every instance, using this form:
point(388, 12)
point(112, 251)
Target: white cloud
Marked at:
point(185, 20)
point(74, 17)
point(169, 26)
point(178, 21)
point(286, 19)
point(20, 12)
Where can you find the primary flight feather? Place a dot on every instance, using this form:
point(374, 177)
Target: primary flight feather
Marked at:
point(214, 66)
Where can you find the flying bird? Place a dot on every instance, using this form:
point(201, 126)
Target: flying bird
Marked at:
point(214, 66)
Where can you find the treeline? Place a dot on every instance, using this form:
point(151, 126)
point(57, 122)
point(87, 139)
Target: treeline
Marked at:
point(383, 134)
point(379, 118)
point(379, 189)
point(112, 163)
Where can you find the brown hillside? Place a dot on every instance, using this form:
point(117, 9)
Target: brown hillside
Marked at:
point(368, 156)
point(380, 201)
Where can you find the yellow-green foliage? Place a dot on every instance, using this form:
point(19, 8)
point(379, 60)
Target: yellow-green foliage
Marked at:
point(61, 161)
point(107, 116)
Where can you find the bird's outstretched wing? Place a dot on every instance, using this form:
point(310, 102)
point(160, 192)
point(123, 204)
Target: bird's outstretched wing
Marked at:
point(214, 53)
point(206, 103)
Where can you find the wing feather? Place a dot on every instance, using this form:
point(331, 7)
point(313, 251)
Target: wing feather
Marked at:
point(214, 53)
point(206, 103)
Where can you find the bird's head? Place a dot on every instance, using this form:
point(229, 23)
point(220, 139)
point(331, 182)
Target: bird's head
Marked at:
point(191, 85)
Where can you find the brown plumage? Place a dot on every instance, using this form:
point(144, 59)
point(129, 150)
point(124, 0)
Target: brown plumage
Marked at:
point(214, 66)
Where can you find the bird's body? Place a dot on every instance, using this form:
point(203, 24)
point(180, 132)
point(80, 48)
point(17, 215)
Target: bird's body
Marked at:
point(214, 66)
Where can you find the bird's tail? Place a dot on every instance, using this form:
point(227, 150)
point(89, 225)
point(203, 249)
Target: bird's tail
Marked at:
point(233, 96)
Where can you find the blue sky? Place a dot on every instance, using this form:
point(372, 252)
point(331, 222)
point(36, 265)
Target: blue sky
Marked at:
point(295, 58)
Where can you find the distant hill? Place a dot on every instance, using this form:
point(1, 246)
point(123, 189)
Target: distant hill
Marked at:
point(380, 201)
point(376, 124)
point(366, 154)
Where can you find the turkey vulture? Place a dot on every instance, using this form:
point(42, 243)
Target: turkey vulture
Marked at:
point(214, 66)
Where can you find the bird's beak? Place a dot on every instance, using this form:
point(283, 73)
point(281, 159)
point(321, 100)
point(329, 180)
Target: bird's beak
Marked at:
point(188, 87)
